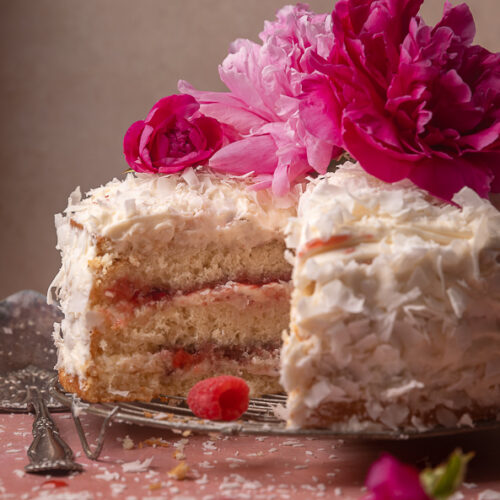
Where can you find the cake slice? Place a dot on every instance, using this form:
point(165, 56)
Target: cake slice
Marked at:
point(395, 320)
point(166, 280)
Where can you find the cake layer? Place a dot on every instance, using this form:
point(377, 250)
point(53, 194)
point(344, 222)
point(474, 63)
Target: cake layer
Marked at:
point(175, 341)
point(396, 306)
point(148, 386)
point(184, 266)
point(227, 315)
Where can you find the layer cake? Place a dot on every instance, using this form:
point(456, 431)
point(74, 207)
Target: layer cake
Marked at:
point(166, 280)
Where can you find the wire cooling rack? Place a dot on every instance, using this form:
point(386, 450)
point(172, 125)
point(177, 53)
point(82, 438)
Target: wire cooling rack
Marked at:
point(262, 418)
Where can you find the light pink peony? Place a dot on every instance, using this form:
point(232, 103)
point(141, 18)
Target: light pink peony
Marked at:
point(175, 135)
point(408, 100)
point(389, 479)
point(262, 107)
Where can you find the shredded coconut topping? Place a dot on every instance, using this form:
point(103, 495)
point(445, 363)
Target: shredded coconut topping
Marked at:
point(396, 303)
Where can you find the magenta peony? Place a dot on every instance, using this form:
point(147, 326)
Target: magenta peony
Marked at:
point(175, 135)
point(262, 107)
point(408, 100)
point(389, 479)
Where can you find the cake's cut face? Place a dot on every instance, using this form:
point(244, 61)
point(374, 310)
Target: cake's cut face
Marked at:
point(166, 280)
point(395, 319)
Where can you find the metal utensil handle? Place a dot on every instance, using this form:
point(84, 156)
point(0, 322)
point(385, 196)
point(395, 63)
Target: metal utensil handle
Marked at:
point(93, 455)
point(48, 451)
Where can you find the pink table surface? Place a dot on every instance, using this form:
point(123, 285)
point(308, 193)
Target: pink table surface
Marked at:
point(229, 467)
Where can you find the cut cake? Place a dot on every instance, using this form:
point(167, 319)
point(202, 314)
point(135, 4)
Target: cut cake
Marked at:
point(166, 280)
point(395, 313)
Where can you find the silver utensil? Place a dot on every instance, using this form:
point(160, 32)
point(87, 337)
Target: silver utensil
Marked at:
point(48, 451)
point(27, 357)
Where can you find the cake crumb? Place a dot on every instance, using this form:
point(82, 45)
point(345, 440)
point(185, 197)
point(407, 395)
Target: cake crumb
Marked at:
point(179, 472)
point(154, 486)
point(154, 442)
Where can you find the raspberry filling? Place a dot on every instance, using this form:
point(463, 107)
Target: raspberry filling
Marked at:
point(188, 358)
point(119, 304)
point(315, 246)
point(124, 290)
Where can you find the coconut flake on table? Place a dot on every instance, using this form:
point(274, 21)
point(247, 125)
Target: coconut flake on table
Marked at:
point(489, 495)
point(137, 465)
point(206, 465)
point(64, 495)
point(202, 480)
point(209, 445)
point(117, 489)
point(108, 476)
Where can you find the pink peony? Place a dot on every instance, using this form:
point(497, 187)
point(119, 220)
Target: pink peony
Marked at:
point(175, 135)
point(262, 107)
point(408, 100)
point(389, 479)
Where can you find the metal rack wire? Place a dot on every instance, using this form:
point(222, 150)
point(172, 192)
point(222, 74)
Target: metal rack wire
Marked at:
point(261, 418)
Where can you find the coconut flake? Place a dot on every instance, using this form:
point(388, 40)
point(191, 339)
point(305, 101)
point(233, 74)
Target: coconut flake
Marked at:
point(396, 392)
point(137, 465)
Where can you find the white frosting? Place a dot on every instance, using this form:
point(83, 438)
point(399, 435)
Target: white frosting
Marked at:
point(141, 210)
point(396, 301)
point(148, 204)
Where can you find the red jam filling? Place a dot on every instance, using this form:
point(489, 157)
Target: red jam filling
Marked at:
point(181, 359)
point(124, 290)
point(335, 241)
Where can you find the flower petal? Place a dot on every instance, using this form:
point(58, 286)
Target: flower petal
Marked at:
point(320, 110)
point(225, 108)
point(446, 177)
point(377, 160)
point(254, 154)
point(131, 141)
point(390, 479)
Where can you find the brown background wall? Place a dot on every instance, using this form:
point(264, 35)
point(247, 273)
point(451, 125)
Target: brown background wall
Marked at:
point(75, 74)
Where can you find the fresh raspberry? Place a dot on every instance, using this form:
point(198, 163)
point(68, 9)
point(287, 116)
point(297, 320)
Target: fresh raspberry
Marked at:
point(219, 398)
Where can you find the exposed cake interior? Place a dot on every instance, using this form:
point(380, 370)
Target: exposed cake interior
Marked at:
point(168, 280)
